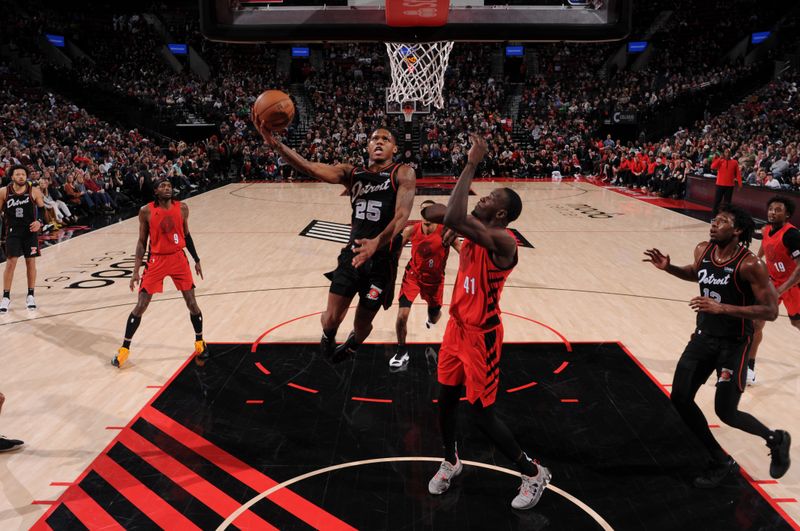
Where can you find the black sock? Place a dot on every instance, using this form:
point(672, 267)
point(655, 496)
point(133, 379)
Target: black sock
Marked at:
point(448, 420)
point(329, 333)
point(197, 323)
point(130, 329)
point(752, 364)
point(30, 292)
point(7, 293)
point(526, 466)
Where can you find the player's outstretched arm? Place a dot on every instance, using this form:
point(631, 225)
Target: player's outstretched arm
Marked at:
point(434, 213)
point(456, 212)
point(662, 261)
point(329, 173)
point(766, 307)
point(141, 244)
point(406, 190)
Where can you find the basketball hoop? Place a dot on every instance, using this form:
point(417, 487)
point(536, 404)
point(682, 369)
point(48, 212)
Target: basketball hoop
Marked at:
point(418, 72)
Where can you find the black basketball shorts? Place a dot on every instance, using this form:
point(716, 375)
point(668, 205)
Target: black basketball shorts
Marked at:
point(22, 243)
point(373, 281)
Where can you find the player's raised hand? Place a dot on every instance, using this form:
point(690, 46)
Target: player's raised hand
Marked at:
point(657, 258)
point(364, 250)
point(135, 280)
point(478, 149)
point(198, 270)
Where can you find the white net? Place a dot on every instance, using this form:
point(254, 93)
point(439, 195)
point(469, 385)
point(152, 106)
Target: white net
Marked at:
point(418, 71)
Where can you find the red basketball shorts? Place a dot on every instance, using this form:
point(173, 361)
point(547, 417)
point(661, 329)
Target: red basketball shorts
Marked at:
point(411, 287)
point(791, 300)
point(471, 358)
point(161, 266)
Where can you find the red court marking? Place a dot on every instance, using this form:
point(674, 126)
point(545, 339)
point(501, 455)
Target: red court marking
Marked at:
point(666, 385)
point(742, 471)
point(556, 332)
point(570, 400)
point(643, 368)
point(262, 336)
point(205, 492)
point(311, 514)
point(262, 368)
point(363, 399)
point(520, 388)
point(713, 425)
point(785, 500)
point(561, 367)
point(155, 386)
point(766, 481)
point(41, 524)
point(115, 427)
point(253, 401)
point(306, 389)
point(147, 501)
point(61, 483)
point(44, 502)
point(88, 511)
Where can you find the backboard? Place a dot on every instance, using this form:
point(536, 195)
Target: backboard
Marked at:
point(310, 21)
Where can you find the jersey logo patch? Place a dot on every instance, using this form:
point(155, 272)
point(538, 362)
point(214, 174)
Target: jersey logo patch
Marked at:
point(374, 292)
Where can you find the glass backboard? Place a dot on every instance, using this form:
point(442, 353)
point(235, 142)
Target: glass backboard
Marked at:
point(415, 20)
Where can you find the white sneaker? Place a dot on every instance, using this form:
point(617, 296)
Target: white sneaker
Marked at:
point(4, 304)
point(751, 376)
point(441, 481)
point(531, 489)
point(30, 302)
point(429, 324)
point(399, 360)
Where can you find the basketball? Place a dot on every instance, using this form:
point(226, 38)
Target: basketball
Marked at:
point(274, 110)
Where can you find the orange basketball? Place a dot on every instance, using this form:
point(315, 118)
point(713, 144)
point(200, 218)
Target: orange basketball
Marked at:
point(274, 110)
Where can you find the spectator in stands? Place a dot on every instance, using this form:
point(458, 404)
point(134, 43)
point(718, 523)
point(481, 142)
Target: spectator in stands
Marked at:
point(728, 172)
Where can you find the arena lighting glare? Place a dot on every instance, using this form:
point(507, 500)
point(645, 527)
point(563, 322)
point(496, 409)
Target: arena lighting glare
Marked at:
point(55, 40)
point(178, 49)
point(759, 37)
point(637, 46)
point(300, 51)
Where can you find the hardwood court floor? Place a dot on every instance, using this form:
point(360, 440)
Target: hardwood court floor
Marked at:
point(584, 279)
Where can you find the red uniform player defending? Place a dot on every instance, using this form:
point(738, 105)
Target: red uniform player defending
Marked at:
point(165, 222)
point(780, 248)
point(424, 277)
point(470, 351)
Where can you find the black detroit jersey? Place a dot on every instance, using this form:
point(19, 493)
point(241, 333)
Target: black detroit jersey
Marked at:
point(19, 210)
point(373, 196)
point(722, 282)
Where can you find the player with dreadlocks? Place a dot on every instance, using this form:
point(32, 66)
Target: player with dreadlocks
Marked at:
point(734, 290)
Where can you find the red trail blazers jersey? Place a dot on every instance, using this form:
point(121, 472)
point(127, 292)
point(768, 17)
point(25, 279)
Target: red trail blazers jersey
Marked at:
point(780, 258)
point(428, 255)
point(479, 284)
point(166, 229)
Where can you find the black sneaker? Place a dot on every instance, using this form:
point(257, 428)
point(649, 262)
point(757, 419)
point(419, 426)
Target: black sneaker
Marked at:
point(327, 346)
point(9, 445)
point(716, 474)
point(779, 452)
point(346, 350)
